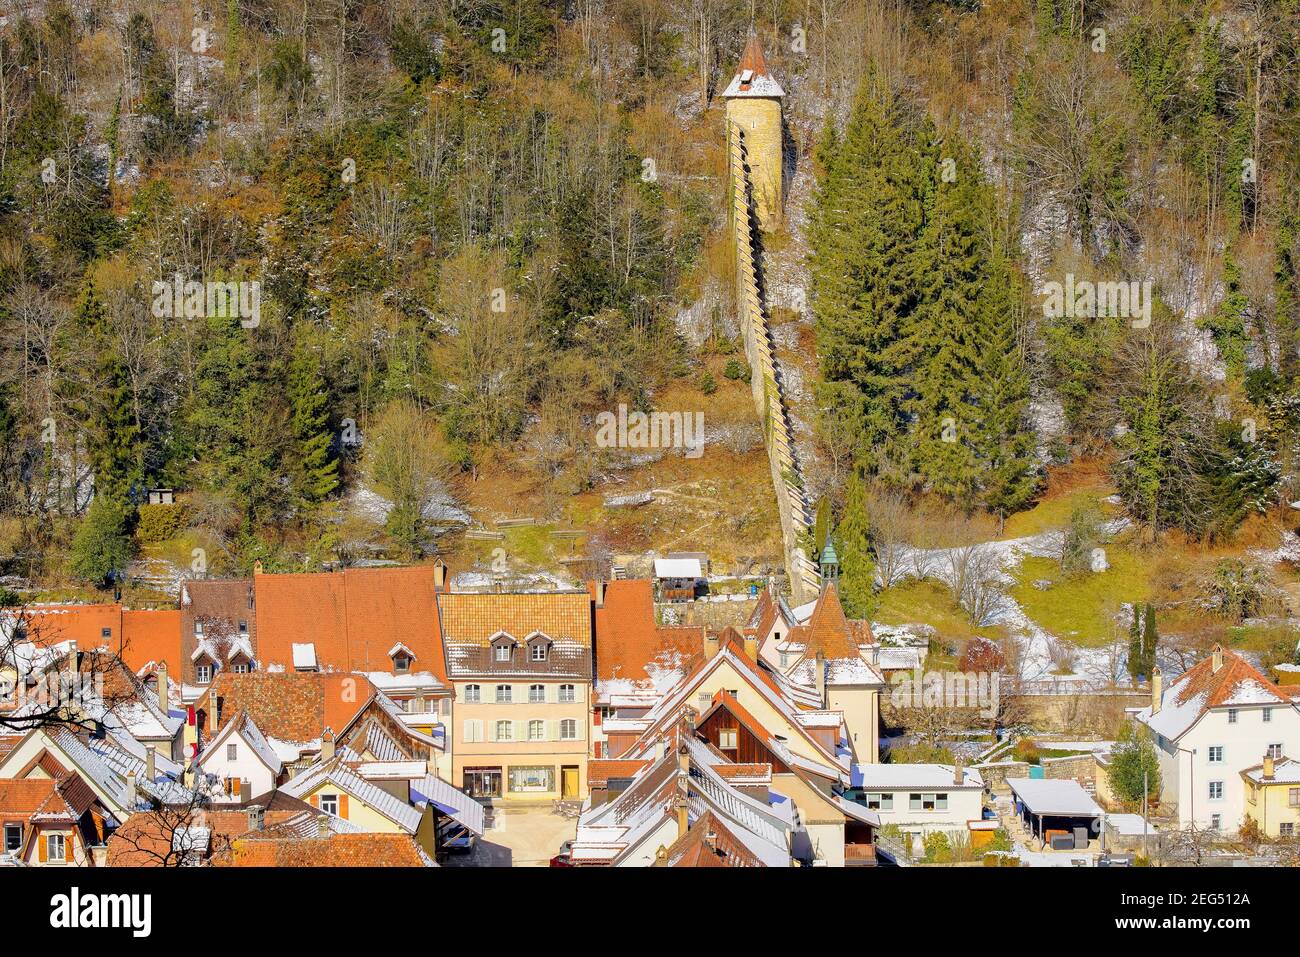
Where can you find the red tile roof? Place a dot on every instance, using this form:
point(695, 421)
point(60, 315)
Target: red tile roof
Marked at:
point(152, 636)
point(708, 843)
point(627, 638)
point(600, 770)
point(26, 796)
point(1220, 687)
point(288, 705)
point(338, 850)
point(828, 629)
point(353, 617)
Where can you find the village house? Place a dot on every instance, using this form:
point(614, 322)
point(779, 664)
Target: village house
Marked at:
point(1273, 796)
point(521, 666)
point(921, 798)
point(48, 821)
point(1214, 721)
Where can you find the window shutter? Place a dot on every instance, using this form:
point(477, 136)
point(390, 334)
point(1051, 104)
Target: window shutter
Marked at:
point(315, 801)
point(552, 731)
point(42, 850)
point(520, 730)
point(343, 806)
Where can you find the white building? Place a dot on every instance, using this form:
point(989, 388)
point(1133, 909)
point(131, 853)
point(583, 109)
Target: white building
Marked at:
point(1214, 721)
point(921, 798)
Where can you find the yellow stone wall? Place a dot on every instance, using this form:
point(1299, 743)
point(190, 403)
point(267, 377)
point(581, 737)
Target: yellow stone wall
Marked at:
point(760, 119)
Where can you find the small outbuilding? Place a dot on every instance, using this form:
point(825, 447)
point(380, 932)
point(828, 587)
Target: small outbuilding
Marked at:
point(1057, 812)
point(678, 579)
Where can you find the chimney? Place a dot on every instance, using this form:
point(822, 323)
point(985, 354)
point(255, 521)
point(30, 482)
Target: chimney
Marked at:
point(440, 575)
point(1156, 688)
point(132, 793)
point(600, 593)
point(683, 759)
point(683, 820)
point(256, 816)
point(958, 774)
point(711, 840)
point(257, 567)
point(661, 855)
point(327, 745)
point(1216, 659)
point(751, 647)
point(149, 766)
point(214, 718)
point(1269, 769)
point(245, 790)
point(323, 826)
point(160, 672)
point(819, 677)
point(711, 645)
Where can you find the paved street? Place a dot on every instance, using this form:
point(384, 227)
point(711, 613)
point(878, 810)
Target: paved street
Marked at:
point(519, 837)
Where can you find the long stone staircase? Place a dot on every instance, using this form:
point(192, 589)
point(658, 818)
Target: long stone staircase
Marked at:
point(766, 382)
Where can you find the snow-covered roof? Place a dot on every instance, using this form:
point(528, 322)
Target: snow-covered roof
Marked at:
point(375, 797)
point(678, 568)
point(889, 776)
point(1285, 771)
point(1129, 825)
point(1054, 796)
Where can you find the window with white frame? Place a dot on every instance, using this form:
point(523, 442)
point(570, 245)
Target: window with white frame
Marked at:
point(879, 800)
point(568, 693)
point(329, 803)
point(198, 627)
point(941, 802)
point(13, 838)
point(1216, 822)
point(1286, 829)
point(536, 693)
point(538, 651)
point(1215, 754)
point(505, 730)
point(241, 667)
point(536, 730)
point(203, 674)
point(1267, 715)
point(472, 694)
point(503, 652)
point(1274, 751)
point(532, 779)
point(914, 802)
point(1232, 716)
point(232, 752)
point(727, 739)
point(503, 694)
point(1216, 790)
point(568, 730)
point(785, 660)
point(56, 849)
point(1293, 797)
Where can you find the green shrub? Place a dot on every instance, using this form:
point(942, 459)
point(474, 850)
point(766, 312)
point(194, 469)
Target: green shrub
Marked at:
point(737, 371)
point(708, 385)
point(160, 523)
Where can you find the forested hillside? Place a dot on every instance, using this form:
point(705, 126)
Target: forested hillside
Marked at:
point(478, 225)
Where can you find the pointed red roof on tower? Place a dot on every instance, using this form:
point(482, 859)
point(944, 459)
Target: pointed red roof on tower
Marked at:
point(752, 75)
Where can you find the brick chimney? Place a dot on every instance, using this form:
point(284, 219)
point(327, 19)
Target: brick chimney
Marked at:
point(256, 817)
point(1216, 659)
point(819, 677)
point(1157, 689)
point(160, 672)
point(1269, 768)
point(958, 774)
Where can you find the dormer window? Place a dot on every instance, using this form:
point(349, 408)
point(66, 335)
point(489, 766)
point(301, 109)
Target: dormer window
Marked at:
point(198, 628)
point(401, 657)
point(203, 674)
point(243, 628)
point(539, 646)
point(503, 646)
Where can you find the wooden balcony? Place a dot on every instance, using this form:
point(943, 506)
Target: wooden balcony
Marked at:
point(859, 855)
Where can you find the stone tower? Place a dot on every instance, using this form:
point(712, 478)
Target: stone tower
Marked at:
point(754, 108)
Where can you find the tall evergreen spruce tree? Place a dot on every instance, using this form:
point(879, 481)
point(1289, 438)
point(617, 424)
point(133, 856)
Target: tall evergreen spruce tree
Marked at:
point(1136, 658)
point(315, 470)
point(853, 545)
point(105, 408)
